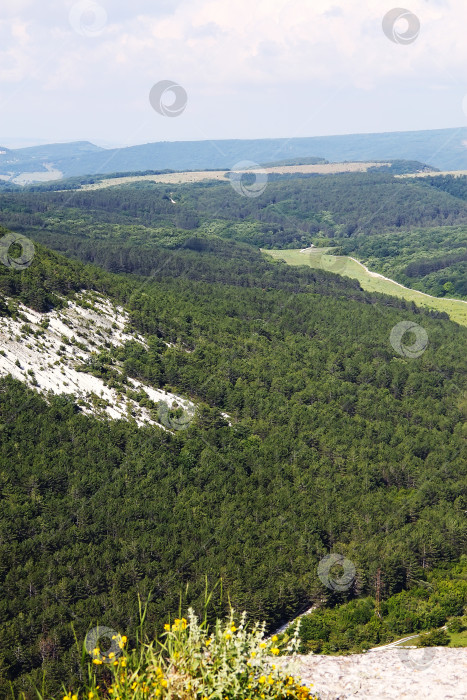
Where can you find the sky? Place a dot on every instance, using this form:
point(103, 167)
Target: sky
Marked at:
point(84, 70)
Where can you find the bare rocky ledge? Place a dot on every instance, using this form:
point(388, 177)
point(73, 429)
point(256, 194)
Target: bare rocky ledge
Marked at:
point(435, 673)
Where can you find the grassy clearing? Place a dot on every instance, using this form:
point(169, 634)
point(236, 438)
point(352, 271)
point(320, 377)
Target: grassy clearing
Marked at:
point(182, 178)
point(458, 639)
point(370, 281)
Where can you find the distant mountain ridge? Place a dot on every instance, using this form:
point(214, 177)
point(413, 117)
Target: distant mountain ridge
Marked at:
point(442, 148)
point(15, 164)
point(47, 152)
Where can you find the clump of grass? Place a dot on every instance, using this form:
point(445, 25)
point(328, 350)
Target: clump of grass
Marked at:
point(230, 661)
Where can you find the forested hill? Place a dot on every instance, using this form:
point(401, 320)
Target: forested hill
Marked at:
point(413, 230)
point(442, 148)
point(336, 442)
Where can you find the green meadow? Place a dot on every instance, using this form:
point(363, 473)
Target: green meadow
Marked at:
point(348, 267)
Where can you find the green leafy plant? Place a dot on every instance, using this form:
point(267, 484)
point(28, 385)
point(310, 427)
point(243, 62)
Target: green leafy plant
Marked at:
point(455, 625)
point(436, 638)
point(192, 661)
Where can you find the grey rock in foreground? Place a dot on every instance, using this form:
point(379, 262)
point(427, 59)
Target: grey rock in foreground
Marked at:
point(417, 674)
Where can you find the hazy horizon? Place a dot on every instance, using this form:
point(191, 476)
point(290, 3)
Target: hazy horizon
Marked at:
point(18, 143)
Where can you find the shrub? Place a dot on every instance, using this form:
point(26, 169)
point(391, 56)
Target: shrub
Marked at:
point(436, 638)
point(455, 625)
point(192, 661)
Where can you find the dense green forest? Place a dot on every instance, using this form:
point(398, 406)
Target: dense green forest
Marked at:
point(412, 230)
point(334, 442)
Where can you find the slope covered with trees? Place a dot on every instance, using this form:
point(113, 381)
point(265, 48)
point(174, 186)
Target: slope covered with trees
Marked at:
point(333, 442)
point(412, 230)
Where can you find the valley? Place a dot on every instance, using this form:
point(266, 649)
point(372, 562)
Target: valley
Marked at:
point(286, 375)
point(183, 367)
point(233, 340)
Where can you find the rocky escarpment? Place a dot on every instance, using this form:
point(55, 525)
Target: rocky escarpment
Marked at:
point(49, 351)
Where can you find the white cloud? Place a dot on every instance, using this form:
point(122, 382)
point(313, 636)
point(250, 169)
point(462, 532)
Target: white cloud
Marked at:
point(218, 49)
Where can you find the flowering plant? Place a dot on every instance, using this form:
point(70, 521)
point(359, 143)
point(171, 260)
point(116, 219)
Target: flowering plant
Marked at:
point(230, 661)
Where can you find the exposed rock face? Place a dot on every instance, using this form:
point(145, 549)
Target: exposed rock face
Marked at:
point(46, 357)
point(415, 674)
